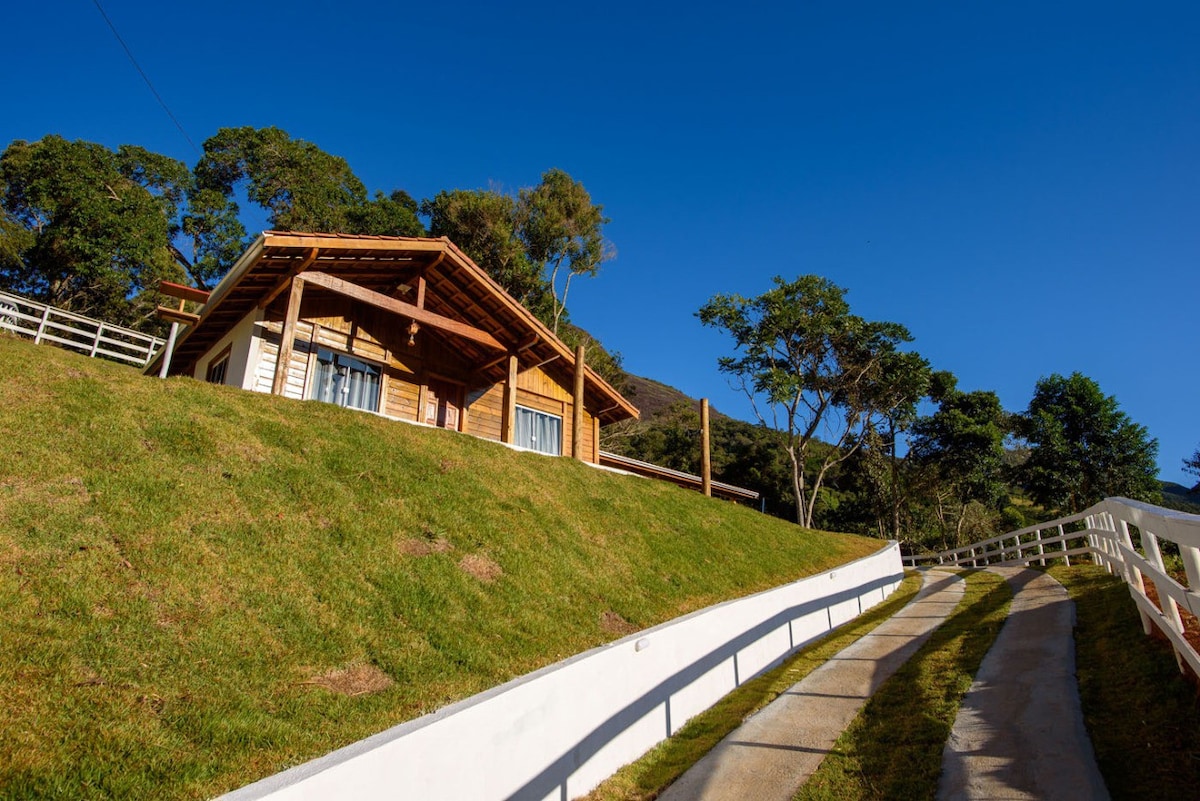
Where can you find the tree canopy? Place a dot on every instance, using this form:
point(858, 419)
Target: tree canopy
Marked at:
point(87, 228)
point(1083, 448)
point(960, 448)
point(534, 243)
point(808, 365)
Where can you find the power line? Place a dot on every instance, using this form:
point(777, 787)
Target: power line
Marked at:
point(145, 77)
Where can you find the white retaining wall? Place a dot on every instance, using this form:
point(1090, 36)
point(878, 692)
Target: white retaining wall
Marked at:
point(558, 732)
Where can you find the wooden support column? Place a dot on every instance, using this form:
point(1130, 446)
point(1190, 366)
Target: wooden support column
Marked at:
point(577, 411)
point(288, 336)
point(509, 423)
point(420, 291)
point(705, 453)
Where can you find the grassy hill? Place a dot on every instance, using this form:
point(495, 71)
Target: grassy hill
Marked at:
point(200, 586)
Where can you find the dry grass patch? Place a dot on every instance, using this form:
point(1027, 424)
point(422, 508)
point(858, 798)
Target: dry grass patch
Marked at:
point(481, 567)
point(420, 546)
point(613, 623)
point(352, 680)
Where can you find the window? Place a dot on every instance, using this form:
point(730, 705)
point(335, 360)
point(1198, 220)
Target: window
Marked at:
point(346, 381)
point(538, 431)
point(218, 367)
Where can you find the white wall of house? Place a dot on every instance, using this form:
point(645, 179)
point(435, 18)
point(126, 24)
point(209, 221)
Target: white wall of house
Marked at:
point(558, 732)
point(243, 354)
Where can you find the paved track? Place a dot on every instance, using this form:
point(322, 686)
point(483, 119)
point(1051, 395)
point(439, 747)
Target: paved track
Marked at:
point(1019, 733)
point(775, 750)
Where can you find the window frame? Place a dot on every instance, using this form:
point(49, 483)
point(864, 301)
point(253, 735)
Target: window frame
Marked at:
point(310, 391)
point(219, 364)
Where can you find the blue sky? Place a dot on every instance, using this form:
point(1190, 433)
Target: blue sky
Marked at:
point(1016, 182)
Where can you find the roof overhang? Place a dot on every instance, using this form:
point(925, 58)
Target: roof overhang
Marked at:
point(457, 290)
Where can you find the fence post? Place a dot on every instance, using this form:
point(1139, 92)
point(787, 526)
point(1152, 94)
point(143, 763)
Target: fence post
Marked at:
point(96, 341)
point(1041, 548)
point(37, 340)
point(1064, 544)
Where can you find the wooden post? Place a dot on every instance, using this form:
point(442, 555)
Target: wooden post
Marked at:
point(577, 411)
point(595, 440)
point(509, 423)
point(288, 336)
point(705, 452)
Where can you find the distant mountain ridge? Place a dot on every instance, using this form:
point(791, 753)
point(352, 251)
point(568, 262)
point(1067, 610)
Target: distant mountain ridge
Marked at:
point(654, 398)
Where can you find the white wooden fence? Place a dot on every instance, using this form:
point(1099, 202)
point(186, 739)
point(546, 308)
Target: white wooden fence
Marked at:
point(1125, 536)
point(44, 323)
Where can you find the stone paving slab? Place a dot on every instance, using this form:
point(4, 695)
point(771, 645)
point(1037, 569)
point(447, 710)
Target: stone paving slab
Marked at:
point(777, 749)
point(1019, 733)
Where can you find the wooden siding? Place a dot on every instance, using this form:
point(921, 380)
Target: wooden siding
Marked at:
point(297, 375)
point(400, 395)
point(486, 417)
point(343, 325)
point(536, 381)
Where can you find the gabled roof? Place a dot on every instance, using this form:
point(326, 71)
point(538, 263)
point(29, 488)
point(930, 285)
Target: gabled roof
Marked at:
point(456, 288)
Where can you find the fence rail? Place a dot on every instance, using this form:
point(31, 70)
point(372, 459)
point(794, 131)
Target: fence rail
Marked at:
point(44, 323)
point(1126, 537)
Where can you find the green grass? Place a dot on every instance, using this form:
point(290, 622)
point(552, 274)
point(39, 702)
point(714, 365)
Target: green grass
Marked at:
point(650, 775)
point(893, 749)
point(1142, 715)
point(181, 563)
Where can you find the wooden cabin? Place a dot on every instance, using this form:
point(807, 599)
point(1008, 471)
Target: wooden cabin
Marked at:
point(409, 328)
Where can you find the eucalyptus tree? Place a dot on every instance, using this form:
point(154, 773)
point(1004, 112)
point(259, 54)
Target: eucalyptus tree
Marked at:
point(534, 243)
point(1083, 448)
point(906, 378)
point(563, 233)
point(808, 367)
point(484, 223)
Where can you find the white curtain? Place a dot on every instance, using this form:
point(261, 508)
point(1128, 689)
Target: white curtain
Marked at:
point(538, 431)
point(346, 381)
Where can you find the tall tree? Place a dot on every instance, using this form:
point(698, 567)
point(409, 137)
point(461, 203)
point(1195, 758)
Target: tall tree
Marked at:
point(905, 381)
point(302, 187)
point(562, 230)
point(1083, 448)
point(807, 365)
point(1192, 465)
point(484, 223)
point(960, 450)
point(87, 228)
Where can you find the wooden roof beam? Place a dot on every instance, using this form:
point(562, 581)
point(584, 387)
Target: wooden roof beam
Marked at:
point(183, 292)
point(286, 281)
point(276, 239)
point(524, 346)
point(177, 315)
point(422, 316)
